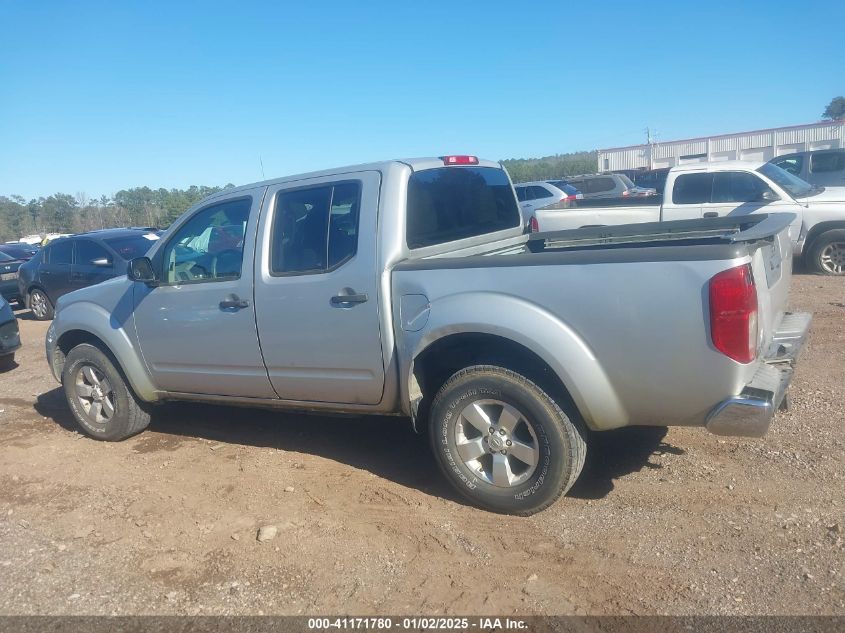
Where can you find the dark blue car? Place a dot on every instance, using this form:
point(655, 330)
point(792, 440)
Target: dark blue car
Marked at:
point(10, 339)
point(9, 277)
point(78, 261)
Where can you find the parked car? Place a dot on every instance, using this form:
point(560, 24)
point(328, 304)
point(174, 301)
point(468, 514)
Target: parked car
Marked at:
point(710, 190)
point(10, 340)
point(824, 167)
point(20, 250)
point(607, 186)
point(654, 179)
point(70, 263)
point(408, 288)
point(9, 267)
point(538, 195)
point(571, 192)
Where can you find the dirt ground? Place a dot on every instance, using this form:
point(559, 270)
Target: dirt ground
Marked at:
point(677, 522)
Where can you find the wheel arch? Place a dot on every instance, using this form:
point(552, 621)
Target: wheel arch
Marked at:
point(93, 325)
point(34, 285)
point(520, 336)
point(818, 230)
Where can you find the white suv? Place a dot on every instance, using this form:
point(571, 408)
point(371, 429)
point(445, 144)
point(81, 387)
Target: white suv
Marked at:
point(541, 195)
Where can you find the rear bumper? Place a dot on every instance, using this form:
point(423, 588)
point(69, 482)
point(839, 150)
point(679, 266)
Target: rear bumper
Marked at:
point(750, 413)
point(10, 340)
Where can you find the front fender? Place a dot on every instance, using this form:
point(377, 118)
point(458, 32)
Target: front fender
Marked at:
point(536, 329)
point(116, 331)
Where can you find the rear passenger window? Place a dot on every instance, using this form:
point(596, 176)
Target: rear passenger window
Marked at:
point(600, 185)
point(821, 163)
point(87, 252)
point(315, 229)
point(540, 192)
point(61, 252)
point(521, 193)
point(692, 189)
point(733, 186)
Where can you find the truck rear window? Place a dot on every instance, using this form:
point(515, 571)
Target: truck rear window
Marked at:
point(453, 203)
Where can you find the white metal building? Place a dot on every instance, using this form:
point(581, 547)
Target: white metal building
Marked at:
point(757, 145)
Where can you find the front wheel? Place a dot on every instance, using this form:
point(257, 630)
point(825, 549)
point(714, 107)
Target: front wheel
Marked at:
point(503, 442)
point(99, 397)
point(827, 255)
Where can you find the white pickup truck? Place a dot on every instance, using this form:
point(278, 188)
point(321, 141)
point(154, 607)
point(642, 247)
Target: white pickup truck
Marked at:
point(705, 190)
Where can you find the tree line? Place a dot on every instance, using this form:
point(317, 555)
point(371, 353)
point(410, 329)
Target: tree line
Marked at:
point(143, 206)
point(551, 167)
point(64, 213)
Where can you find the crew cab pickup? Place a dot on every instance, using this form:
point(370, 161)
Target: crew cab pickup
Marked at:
point(717, 189)
point(409, 288)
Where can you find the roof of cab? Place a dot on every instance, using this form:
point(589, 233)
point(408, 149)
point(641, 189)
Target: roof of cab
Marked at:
point(721, 165)
point(416, 164)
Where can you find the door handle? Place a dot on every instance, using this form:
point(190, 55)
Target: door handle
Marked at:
point(711, 214)
point(347, 301)
point(233, 302)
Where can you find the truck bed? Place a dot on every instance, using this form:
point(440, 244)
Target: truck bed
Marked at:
point(697, 231)
point(630, 299)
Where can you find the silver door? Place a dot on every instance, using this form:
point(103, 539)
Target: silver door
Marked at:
point(197, 329)
point(316, 292)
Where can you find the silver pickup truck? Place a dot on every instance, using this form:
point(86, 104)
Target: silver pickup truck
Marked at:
point(408, 288)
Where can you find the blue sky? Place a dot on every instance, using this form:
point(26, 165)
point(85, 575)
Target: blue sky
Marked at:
point(100, 96)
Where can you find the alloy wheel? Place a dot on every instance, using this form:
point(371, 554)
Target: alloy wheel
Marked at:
point(38, 304)
point(94, 394)
point(832, 258)
point(497, 443)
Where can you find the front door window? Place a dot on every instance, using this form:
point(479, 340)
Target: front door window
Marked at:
point(210, 246)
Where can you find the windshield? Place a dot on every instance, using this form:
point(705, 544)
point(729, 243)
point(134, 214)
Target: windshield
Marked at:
point(5, 258)
point(794, 186)
point(628, 182)
point(132, 247)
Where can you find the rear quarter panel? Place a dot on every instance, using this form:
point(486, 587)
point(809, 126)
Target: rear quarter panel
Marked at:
point(629, 340)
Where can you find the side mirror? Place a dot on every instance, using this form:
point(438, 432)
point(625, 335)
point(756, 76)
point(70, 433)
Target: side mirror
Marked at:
point(141, 269)
point(769, 196)
point(103, 262)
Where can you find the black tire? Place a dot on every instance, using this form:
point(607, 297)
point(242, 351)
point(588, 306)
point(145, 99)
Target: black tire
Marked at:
point(558, 440)
point(821, 248)
point(7, 362)
point(129, 416)
point(41, 314)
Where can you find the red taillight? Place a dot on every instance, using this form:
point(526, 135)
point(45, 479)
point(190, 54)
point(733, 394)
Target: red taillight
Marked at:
point(535, 226)
point(459, 160)
point(626, 193)
point(733, 313)
point(571, 197)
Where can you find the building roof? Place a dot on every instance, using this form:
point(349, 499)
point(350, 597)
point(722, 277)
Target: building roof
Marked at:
point(714, 136)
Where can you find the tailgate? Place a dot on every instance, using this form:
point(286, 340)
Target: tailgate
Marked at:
point(772, 267)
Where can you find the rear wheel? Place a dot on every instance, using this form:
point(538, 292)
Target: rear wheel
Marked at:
point(827, 254)
point(39, 303)
point(503, 442)
point(99, 397)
